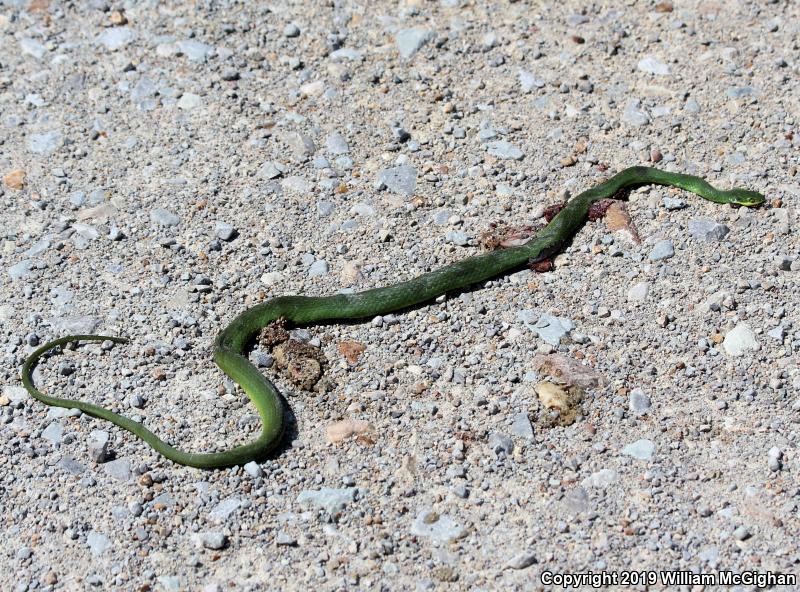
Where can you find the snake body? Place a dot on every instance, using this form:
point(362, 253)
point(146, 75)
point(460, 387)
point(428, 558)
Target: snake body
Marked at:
point(231, 345)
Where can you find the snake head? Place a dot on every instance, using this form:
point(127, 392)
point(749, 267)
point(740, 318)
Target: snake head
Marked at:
point(746, 197)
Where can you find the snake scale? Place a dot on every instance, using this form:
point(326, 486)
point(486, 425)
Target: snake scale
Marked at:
point(231, 345)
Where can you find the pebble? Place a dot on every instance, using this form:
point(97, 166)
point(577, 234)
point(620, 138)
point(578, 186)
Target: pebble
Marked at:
point(285, 540)
point(522, 427)
point(32, 47)
point(653, 65)
point(529, 81)
point(501, 443)
point(639, 292)
point(53, 432)
point(410, 41)
point(329, 499)
point(638, 402)
point(272, 170)
point(741, 533)
point(336, 144)
point(633, 115)
point(600, 479)
point(45, 143)
point(98, 445)
point(318, 268)
point(521, 560)
point(20, 270)
point(740, 340)
point(253, 469)
point(458, 238)
point(225, 508)
point(674, 203)
point(119, 469)
point(195, 50)
point(190, 101)
point(291, 30)
point(707, 230)
point(225, 232)
point(504, 150)
point(213, 540)
point(115, 38)
point(641, 449)
point(549, 328)
point(401, 180)
point(164, 217)
point(662, 250)
point(98, 543)
point(442, 528)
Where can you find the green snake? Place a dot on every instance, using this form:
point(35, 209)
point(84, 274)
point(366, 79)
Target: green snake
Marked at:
point(232, 344)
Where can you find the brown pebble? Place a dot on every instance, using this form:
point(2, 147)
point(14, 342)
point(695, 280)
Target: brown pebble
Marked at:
point(117, 18)
point(577, 39)
point(655, 155)
point(777, 203)
point(50, 578)
point(664, 7)
point(146, 480)
point(351, 350)
point(159, 374)
point(568, 161)
point(15, 179)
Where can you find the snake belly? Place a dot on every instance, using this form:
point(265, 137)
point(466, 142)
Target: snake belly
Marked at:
point(232, 343)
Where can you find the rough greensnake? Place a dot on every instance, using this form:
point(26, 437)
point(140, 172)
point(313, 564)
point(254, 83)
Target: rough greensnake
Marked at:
point(231, 345)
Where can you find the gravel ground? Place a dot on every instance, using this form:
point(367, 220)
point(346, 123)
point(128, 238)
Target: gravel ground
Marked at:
point(166, 165)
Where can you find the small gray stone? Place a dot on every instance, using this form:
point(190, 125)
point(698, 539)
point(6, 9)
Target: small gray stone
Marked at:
point(345, 54)
point(32, 47)
point(777, 333)
point(662, 250)
point(285, 540)
point(641, 449)
point(638, 402)
point(653, 65)
point(707, 230)
point(410, 41)
point(20, 270)
point(195, 50)
point(189, 101)
point(692, 106)
point(336, 144)
point(741, 533)
point(442, 528)
point(119, 469)
point(633, 115)
point(72, 466)
point(674, 203)
point(740, 340)
point(501, 443)
point(552, 329)
point(45, 143)
point(98, 445)
point(600, 479)
point(522, 560)
point(291, 30)
point(225, 508)
point(116, 38)
point(53, 432)
point(329, 499)
point(98, 543)
point(529, 81)
point(639, 292)
point(740, 92)
point(521, 427)
point(164, 217)
point(253, 469)
point(213, 540)
point(271, 170)
point(457, 238)
point(504, 150)
point(301, 144)
point(400, 179)
point(318, 268)
point(225, 231)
